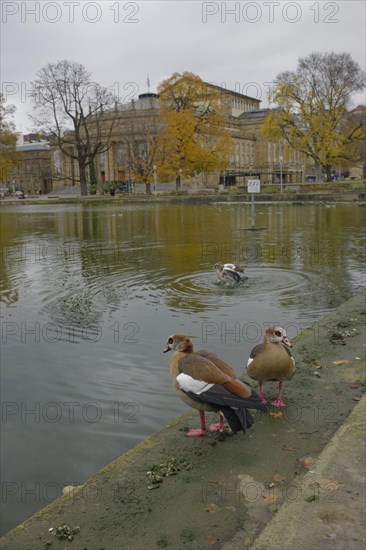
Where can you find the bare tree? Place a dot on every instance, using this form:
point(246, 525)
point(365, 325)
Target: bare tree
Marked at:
point(141, 143)
point(71, 107)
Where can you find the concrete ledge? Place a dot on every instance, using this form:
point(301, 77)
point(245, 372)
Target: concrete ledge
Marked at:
point(332, 514)
point(200, 197)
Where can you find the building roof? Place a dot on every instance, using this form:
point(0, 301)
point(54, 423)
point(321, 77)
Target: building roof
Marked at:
point(259, 113)
point(34, 146)
point(231, 92)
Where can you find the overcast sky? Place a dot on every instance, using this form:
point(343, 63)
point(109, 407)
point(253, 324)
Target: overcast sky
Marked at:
point(242, 46)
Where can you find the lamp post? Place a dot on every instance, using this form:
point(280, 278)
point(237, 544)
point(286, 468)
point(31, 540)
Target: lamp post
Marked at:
point(281, 161)
point(155, 180)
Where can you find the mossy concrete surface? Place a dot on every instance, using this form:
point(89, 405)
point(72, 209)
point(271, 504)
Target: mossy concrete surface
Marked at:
point(330, 512)
point(294, 480)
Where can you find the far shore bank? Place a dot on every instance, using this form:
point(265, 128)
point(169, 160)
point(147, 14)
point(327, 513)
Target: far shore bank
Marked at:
point(354, 197)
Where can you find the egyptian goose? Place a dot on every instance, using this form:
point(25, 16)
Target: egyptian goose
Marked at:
point(229, 273)
point(272, 361)
point(206, 383)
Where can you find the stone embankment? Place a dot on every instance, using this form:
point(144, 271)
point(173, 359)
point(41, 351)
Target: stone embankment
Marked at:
point(295, 480)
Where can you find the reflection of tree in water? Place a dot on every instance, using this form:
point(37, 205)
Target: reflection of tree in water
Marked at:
point(87, 282)
point(88, 261)
point(76, 309)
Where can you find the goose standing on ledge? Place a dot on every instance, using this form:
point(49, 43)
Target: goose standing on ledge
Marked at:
point(272, 361)
point(206, 383)
point(229, 273)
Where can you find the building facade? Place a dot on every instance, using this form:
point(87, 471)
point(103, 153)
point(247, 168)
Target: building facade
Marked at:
point(32, 173)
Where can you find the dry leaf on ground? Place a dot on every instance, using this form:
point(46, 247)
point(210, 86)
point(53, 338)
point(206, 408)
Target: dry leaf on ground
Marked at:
point(341, 362)
point(329, 484)
point(276, 414)
point(308, 462)
point(278, 477)
point(288, 448)
point(212, 508)
point(212, 539)
point(270, 498)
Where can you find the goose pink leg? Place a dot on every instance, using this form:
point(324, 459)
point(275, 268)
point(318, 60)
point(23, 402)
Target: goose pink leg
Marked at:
point(278, 402)
point(199, 432)
point(261, 396)
point(219, 426)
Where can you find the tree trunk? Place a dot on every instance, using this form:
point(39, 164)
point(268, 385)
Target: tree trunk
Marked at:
point(83, 178)
point(318, 171)
point(92, 177)
point(148, 189)
point(178, 183)
point(329, 172)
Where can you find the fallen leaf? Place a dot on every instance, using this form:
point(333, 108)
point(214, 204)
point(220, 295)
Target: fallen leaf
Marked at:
point(270, 498)
point(318, 367)
point(247, 544)
point(353, 387)
point(330, 484)
point(288, 448)
point(276, 414)
point(270, 485)
point(341, 362)
point(212, 539)
point(278, 477)
point(356, 398)
point(212, 508)
point(308, 462)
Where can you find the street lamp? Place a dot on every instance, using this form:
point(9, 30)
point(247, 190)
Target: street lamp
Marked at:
point(281, 161)
point(155, 179)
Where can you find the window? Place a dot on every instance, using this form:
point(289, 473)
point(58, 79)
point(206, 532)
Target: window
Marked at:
point(121, 153)
point(57, 161)
point(102, 159)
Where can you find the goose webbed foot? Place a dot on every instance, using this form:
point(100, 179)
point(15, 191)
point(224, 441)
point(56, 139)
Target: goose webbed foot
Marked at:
point(219, 426)
point(278, 403)
point(196, 433)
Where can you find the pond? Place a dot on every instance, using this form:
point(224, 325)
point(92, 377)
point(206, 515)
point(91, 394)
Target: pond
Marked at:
point(91, 292)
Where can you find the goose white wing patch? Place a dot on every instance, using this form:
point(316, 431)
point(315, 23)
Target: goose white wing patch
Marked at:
point(187, 383)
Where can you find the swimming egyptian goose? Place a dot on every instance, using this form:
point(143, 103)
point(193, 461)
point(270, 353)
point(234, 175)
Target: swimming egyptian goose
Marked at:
point(272, 361)
point(206, 383)
point(229, 273)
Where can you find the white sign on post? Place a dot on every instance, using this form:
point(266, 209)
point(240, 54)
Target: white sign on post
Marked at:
point(254, 186)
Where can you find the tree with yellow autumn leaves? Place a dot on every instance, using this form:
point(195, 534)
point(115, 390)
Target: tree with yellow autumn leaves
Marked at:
point(312, 109)
point(192, 136)
point(8, 140)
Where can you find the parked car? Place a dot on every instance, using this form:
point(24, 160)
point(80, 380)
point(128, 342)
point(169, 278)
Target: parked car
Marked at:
point(4, 192)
